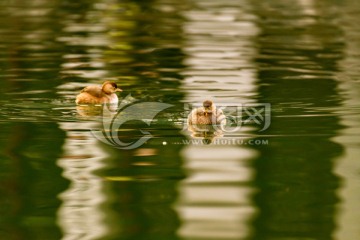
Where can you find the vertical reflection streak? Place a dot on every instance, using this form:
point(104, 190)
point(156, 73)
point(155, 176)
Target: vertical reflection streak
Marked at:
point(81, 215)
point(348, 165)
point(215, 200)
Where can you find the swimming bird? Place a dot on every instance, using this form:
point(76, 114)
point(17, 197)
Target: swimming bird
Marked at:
point(207, 114)
point(99, 94)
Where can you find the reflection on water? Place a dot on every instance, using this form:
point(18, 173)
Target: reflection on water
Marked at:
point(220, 50)
point(81, 215)
point(30, 180)
point(207, 133)
point(348, 166)
point(59, 182)
point(216, 198)
point(295, 177)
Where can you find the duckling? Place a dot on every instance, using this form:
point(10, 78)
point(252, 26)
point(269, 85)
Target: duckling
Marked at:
point(207, 114)
point(98, 95)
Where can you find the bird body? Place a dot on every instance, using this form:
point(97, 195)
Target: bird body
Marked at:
point(99, 94)
point(208, 114)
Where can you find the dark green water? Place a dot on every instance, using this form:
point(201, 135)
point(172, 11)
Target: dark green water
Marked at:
point(297, 179)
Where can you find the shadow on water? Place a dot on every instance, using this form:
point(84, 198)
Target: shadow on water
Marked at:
point(144, 184)
point(29, 177)
point(298, 59)
point(30, 180)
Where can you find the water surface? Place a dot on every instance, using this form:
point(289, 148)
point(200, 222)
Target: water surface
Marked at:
point(296, 179)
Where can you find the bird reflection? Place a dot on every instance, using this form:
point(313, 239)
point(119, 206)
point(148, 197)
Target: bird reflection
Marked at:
point(95, 110)
point(207, 133)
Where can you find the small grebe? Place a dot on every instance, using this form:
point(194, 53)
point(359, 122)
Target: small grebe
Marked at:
point(207, 114)
point(99, 94)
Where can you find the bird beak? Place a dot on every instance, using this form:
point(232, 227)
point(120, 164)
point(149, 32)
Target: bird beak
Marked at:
point(118, 90)
point(206, 113)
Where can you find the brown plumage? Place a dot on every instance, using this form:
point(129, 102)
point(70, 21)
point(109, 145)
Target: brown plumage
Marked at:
point(99, 94)
point(207, 114)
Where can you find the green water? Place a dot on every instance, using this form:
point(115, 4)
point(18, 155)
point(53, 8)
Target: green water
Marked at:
point(297, 179)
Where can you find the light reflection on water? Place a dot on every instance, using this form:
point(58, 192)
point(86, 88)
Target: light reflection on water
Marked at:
point(81, 213)
point(215, 200)
point(300, 56)
point(347, 166)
